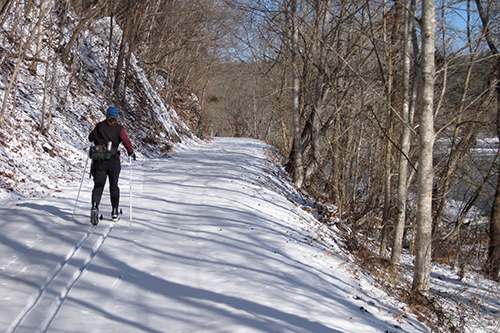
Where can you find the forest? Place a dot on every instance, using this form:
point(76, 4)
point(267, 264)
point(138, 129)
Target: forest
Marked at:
point(387, 112)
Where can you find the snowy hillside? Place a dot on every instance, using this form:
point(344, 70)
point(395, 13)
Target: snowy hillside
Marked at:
point(216, 245)
point(43, 141)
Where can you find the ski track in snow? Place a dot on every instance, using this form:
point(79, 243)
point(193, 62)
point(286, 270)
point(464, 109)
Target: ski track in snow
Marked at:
point(36, 296)
point(76, 275)
point(60, 298)
point(216, 246)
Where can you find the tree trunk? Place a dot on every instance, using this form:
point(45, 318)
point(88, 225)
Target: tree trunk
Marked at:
point(387, 191)
point(121, 54)
point(73, 38)
point(14, 104)
point(72, 72)
point(108, 68)
point(493, 262)
point(5, 8)
point(391, 55)
point(34, 64)
point(421, 278)
point(322, 19)
point(298, 174)
point(52, 93)
point(405, 147)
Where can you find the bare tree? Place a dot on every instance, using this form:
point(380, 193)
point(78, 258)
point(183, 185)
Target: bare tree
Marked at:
point(126, 36)
point(493, 262)
point(43, 12)
point(421, 278)
point(298, 174)
point(407, 124)
point(391, 40)
point(320, 37)
point(4, 9)
point(33, 66)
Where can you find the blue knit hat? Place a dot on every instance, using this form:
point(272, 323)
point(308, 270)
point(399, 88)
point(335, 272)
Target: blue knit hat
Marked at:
point(112, 112)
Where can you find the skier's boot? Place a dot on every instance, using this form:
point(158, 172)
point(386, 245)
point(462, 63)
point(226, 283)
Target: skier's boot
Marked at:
point(115, 215)
point(94, 215)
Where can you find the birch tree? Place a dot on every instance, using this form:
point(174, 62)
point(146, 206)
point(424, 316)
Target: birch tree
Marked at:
point(421, 278)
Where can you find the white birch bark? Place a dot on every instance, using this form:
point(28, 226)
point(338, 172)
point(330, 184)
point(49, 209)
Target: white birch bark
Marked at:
point(421, 278)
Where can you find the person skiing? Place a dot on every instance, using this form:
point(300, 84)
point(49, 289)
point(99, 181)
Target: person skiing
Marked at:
point(106, 137)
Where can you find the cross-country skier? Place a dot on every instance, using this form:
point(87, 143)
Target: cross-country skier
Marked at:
point(107, 135)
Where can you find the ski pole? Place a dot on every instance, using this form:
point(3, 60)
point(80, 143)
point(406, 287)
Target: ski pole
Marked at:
point(81, 182)
point(130, 181)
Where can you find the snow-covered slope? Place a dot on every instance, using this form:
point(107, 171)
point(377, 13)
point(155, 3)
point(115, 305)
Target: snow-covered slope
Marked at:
point(216, 245)
point(37, 159)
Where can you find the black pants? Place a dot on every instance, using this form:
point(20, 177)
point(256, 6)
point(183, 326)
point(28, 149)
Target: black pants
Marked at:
point(101, 170)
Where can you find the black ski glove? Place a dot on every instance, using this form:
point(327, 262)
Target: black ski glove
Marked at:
point(132, 155)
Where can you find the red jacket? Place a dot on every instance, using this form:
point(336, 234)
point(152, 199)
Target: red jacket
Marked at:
point(103, 133)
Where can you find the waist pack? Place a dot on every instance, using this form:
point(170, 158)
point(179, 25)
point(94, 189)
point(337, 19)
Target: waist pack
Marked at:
point(100, 152)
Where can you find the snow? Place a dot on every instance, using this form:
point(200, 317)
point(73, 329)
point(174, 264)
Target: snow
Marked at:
point(216, 245)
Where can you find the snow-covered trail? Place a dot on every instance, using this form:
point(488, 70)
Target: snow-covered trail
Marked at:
point(215, 246)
